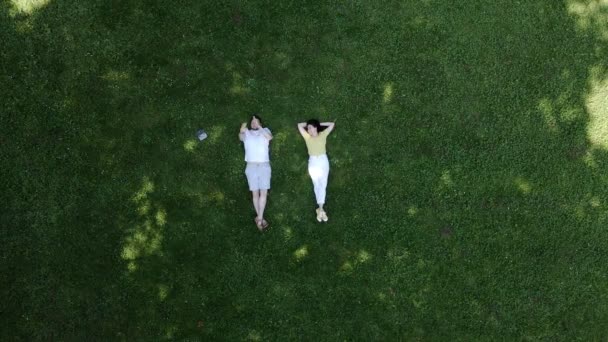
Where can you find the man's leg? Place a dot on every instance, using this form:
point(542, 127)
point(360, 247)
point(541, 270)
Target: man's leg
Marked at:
point(256, 200)
point(265, 175)
point(262, 203)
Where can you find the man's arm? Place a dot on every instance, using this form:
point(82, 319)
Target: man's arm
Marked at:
point(266, 133)
point(242, 131)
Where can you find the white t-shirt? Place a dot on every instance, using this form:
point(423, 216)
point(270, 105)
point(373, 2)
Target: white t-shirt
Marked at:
point(256, 146)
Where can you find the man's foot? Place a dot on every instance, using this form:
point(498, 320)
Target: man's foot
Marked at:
point(261, 224)
point(265, 225)
point(319, 214)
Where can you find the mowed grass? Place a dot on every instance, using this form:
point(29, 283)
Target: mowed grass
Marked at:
point(468, 192)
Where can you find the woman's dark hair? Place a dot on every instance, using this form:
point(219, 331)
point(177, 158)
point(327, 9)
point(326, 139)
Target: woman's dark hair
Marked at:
point(251, 118)
point(317, 124)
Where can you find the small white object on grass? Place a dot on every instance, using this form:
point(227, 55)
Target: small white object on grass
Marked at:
point(201, 134)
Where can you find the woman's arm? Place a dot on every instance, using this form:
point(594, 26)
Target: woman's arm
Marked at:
point(330, 126)
point(302, 129)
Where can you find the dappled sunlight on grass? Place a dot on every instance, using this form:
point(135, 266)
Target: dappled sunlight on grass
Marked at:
point(238, 85)
point(207, 198)
point(388, 92)
point(27, 6)
point(163, 292)
point(278, 141)
point(590, 15)
point(580, 212)
point(301, 253)
point(161, 217)
point(25, 25)
point(363, 256)
point(590, 204)
point(287, 233)
point(215, 133)
point(355, 260)
point(190, 145)
point(279, 217)
point(145, 240)
point(595, 201)
point(559, 112)
point(144, 207)
point(589, 159)
point(445, 182)
point(446, 179)
point(217, 196)
point(254, 336)
point(523, 185)
point(597, 106)
point(389, 105)
point(346, 267)
point(146, 188)
point(146, 237)
point(67, 103)
point(545, 107)
point(171, 331)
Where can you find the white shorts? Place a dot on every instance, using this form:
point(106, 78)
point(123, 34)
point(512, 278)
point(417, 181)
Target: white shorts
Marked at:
point(258, 176)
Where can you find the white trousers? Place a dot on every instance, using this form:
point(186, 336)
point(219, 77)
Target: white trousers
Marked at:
point(318, 169)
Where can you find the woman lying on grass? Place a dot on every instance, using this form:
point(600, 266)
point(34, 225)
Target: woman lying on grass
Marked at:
point(315, 135)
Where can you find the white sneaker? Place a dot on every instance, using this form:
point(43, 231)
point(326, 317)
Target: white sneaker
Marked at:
point(319, 215)
point(324, 216)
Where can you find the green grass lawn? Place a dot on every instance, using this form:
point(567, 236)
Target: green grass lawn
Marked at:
point(468, 193)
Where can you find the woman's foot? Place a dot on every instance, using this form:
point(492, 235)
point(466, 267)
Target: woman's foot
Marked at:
point(324, 216)
point(319, 214)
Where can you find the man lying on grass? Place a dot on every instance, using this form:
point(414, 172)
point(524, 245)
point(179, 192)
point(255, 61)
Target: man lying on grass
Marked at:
point(256, 140)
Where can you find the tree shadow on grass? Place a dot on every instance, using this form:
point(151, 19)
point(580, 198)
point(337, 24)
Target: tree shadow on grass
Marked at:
point(467, 190)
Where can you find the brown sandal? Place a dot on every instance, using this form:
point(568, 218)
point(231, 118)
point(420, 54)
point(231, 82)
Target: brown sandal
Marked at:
point(261, 224)
point(258, 223)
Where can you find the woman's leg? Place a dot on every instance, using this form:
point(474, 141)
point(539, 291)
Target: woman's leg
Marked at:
point(313, 171)
point(318, 169)
point(322, 184)
point(315, 175)
point(319, 173)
